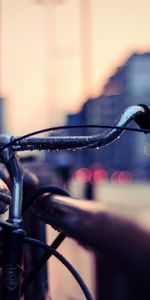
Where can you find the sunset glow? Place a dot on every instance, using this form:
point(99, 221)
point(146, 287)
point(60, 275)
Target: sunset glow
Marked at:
point(55, 55)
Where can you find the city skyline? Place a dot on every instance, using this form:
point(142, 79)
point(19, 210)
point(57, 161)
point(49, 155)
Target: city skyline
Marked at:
point(128, 86)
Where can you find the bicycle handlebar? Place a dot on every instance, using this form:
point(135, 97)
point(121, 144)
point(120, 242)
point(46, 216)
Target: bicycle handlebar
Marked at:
point(8, 145)
point(84, 142)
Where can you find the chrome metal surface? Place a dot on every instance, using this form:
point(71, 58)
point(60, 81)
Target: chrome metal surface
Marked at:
point(16, 177)
point(79, 142)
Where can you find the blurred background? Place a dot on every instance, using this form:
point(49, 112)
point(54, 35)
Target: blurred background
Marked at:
point(67, 62)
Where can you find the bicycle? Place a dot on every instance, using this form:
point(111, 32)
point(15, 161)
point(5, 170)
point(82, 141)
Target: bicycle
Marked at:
point(56, 210)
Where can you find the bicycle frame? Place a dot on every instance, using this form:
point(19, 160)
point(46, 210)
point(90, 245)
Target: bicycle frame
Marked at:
point(14, 233)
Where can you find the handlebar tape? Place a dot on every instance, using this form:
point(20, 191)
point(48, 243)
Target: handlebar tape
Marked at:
point(143, 120)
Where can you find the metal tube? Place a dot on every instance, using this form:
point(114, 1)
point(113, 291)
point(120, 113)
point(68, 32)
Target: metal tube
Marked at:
point(100, 227)
point(79, 142)
point(16, 175)
point(12, 163)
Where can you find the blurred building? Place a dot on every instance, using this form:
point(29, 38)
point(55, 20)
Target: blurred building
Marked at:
point(129, 85)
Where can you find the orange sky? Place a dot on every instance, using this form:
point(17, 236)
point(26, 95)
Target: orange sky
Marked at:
point(51, 61)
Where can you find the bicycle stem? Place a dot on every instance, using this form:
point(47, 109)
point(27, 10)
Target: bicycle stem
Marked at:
point(12, 163)
point(15, 171)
